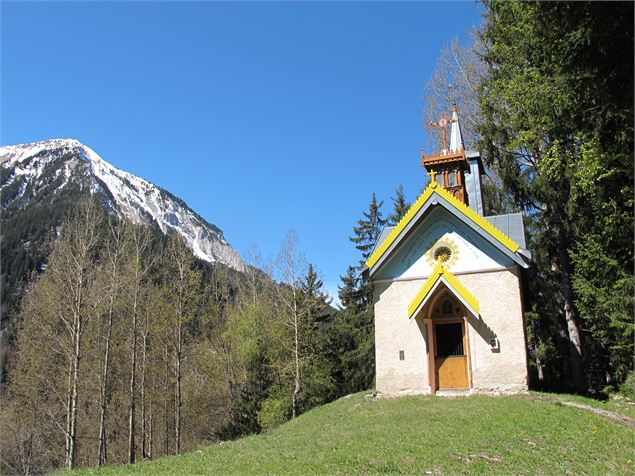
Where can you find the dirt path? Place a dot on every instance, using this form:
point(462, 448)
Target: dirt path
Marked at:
point(618, 417)
point(614, 416)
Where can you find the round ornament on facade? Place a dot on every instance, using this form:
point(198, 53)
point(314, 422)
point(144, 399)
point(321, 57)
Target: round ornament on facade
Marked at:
point(443, 252)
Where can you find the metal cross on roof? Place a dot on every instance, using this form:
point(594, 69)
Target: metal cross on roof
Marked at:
point(443, 123)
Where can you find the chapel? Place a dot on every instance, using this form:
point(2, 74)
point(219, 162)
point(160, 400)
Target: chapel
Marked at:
point(448, 285)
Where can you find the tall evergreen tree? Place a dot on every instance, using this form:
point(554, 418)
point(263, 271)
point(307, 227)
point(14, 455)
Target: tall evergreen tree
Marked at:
point(368, 229)
point(557, 107)
point(313, 289)
point(349, 293)
point(400, 206)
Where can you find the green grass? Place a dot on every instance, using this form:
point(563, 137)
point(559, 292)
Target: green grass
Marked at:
point(420, 435)
point(615, 403)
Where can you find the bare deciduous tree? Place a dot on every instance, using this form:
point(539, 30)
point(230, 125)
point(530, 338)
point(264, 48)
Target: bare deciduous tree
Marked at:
point(138, 267)
point(455, 80)
point(291, 267)
point(112, 270)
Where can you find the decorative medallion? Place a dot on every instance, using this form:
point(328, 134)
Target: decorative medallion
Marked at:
point(443, 252)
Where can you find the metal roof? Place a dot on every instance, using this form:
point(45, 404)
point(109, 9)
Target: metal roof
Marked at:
point(512, 225)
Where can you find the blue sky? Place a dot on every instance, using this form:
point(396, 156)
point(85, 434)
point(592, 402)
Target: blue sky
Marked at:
point(262, 116)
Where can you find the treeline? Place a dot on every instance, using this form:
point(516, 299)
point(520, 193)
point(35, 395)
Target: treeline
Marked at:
point(547, 88)
point(128, 348)
point(557, 123)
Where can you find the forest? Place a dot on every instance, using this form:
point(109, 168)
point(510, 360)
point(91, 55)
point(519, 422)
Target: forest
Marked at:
point(125, 347)
point(128, 348)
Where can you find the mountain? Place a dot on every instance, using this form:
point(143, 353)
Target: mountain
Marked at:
point(31, 170)
point(40, 181)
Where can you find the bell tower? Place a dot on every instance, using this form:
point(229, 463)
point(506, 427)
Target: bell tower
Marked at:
point(449, 166)
point(455, 169)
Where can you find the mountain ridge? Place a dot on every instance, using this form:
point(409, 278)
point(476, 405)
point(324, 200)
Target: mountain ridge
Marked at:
point(32, 169)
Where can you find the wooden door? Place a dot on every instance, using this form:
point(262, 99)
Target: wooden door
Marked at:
point(450, 355)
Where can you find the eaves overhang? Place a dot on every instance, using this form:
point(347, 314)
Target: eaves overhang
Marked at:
point(432, 196)
point(443, 276)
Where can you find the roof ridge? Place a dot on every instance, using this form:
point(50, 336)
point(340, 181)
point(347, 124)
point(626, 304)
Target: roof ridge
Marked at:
point(416, 206)
point(479, 220)
point(441, 272)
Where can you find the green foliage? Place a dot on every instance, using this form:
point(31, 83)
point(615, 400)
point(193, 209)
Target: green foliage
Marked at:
point(368, 229)
point(557, 125)
point(274, 412)
point(627, 388)
point(248, 333)
point(400, 206)
point(351, 333)
point(351, 350)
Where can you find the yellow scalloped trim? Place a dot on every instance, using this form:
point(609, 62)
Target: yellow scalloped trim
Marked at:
point(443, 241)
point(412, 211)
point(416, 206)
point(454, 283)
point(505, 240)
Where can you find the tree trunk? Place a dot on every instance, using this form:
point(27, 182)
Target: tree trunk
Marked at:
point(166, 418)
point(69, 396)
point(103, 458)
point(570, 315)
point(540, 370)
point(177, 402)
point(72, 432)
point(296, 352)
point(132, 448)
point(144, 347)
point(150, 430)
point(71, 446)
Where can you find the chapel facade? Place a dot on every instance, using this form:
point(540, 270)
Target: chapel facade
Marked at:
point(448, 286)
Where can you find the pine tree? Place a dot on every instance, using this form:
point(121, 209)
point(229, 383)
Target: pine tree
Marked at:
point(316, 299)
point(318, 385)
point(349, 293)
point(557, 120)
point(368, 229)
point(400, 205)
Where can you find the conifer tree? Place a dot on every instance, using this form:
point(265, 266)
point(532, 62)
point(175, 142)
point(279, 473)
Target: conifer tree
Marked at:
point(312, 288)
point(400, 206)
point(557, 121)
point(318, 385)
point(368, 229)
point(349, 292)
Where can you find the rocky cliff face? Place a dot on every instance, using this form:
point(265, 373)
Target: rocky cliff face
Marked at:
point(32, 173)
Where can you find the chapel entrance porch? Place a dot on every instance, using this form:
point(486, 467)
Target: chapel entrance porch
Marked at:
point(448, 346)
point(450, 357)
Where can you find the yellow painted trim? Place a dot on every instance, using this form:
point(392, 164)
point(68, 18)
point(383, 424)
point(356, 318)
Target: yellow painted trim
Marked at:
point(455, 284)
point(425, 289)
point(505, 240)
point(410, 214)
point(418, 204)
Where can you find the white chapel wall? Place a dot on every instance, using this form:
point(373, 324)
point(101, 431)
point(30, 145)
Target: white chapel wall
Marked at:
point(395, 332)
point(486, 273)
point(503, 369)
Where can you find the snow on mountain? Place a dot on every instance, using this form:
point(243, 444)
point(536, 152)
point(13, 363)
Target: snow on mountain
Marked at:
point(132, 196)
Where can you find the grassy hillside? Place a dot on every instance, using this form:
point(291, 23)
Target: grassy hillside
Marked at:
point(530, 434)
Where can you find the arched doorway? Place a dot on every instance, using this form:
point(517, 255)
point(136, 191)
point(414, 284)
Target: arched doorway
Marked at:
point(449, 362)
